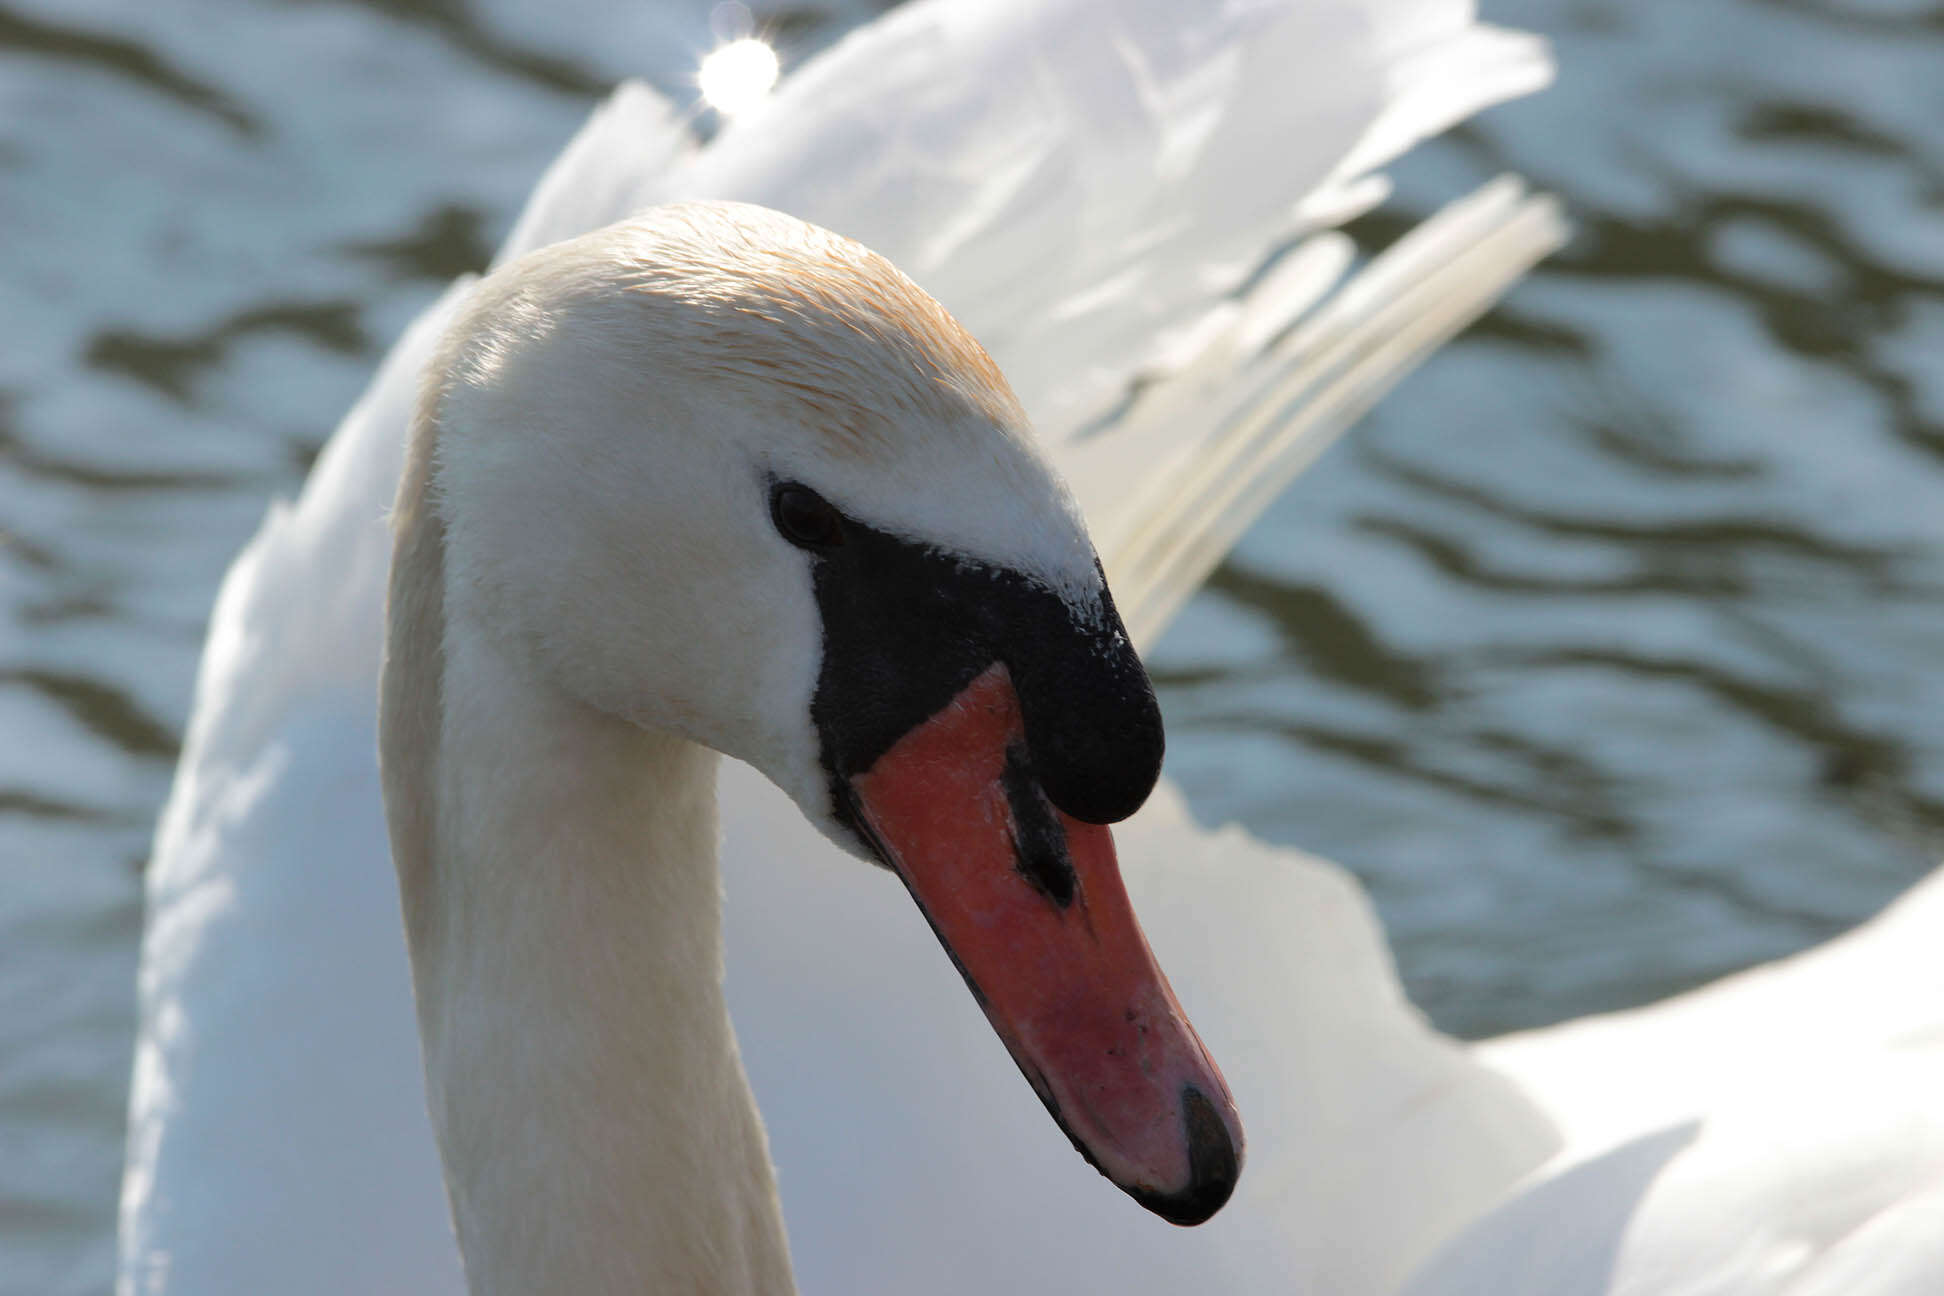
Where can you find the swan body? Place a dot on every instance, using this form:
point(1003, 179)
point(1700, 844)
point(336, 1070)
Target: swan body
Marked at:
point(279, 1135)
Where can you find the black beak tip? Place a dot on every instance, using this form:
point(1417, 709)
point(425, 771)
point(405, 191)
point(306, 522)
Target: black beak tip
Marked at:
point(1214, 1166)
point(1102, 772)
point(1097, 801)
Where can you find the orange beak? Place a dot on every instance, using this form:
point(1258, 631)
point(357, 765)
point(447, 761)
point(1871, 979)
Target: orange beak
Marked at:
point(1029, 903)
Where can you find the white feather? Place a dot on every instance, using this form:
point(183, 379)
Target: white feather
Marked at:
point(1089, 187)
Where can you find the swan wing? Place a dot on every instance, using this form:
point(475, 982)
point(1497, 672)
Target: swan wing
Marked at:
point(1823, 1180)
point(277, 1125)
point(1776, 1133)
point(1875, 992)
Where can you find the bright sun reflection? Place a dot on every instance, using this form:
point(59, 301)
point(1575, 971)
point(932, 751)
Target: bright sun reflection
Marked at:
point(737, 75)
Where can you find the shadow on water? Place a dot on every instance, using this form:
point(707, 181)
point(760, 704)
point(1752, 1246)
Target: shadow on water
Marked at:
point(1334, 644)
point(33, 461)
point(1553, 783)
point(1834, 321)
point(1850, 757)
point(1856, 18)
point(1787, 123)
point(172, 365)
point(454, 21)
point(1339, 651)
point(125, 59)
point(448, 241)
point(101, 709)
point(1687, 557)
point(31, 805)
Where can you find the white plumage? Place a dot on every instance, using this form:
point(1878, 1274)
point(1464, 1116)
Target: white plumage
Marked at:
point(1085, 185)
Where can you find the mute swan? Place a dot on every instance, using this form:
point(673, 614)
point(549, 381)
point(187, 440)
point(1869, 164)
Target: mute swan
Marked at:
point(713, 480)
point(1109, 186)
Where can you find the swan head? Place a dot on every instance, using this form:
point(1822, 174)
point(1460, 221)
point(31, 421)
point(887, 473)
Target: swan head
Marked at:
point(719, 472)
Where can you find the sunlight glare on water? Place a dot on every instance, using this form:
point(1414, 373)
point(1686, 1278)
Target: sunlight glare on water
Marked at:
point(736, 76)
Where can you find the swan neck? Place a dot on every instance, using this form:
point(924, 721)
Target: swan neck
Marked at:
point(598, 1132)
point(563, 910)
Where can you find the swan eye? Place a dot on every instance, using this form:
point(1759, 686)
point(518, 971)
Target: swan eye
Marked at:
point(805, 518)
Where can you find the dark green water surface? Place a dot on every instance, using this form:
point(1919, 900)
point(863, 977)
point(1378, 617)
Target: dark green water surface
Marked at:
point(1607, 651)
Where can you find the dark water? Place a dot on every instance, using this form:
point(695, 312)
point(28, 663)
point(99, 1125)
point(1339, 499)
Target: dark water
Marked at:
point(1605, 651)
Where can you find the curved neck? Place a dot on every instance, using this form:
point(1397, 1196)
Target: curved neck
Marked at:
point(559, 877)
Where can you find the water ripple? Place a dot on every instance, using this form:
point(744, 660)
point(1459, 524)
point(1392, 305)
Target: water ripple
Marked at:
point(125, 59)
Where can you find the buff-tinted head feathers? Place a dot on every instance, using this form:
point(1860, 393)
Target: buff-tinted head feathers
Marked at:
point(735, 293)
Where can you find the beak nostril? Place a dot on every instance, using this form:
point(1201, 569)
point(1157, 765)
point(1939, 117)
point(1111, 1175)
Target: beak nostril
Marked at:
point(1039, 843)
